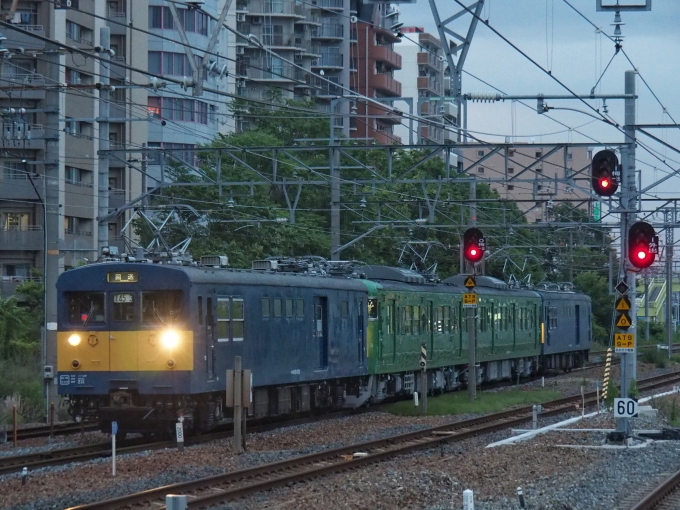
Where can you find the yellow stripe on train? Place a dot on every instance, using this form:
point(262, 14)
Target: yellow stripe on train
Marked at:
point(125, 351)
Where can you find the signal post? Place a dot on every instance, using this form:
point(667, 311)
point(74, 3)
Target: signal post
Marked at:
point(473, 248)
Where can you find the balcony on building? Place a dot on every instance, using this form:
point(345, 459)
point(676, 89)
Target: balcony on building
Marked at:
point(386, 84)
point(428, 59)
point(386, 55)
point(430, 84)
point(328, 61)
point(306, 48)
point(117, 72)
point(24, 238)
point(384, 26)
point(28, 86)
point(16, 185)
point(20, 135)
point(116, 198)
point(16, 39)
point(327, 5)
point(116, 18)
point(353, 33)
point(273, 9)
point(328, 31)
point(278, 73)
point(322, 88)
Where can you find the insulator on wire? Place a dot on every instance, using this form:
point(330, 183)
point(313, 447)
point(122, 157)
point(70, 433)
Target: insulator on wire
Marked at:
point(484, 97)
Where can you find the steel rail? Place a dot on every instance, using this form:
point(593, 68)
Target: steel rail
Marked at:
point(658, 495)
point(247, 481)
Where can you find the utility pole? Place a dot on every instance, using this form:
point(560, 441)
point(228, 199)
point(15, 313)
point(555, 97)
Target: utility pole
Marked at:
point(628, 213)
point(103, 182)
point(53, 214)
point(669, 219)
point(334, 162)
point(646, 306)
point(471, 312)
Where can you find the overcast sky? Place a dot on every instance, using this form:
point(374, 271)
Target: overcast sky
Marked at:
point(557, 38)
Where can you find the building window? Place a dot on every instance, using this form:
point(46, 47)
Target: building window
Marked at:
point(480, 153)
point(539, 154)
point(480, 169)
point(570, 156)
point(511, 187)
point(178, 109)
point(511, 170)
point(16, 221)
point(511, 152)
point(78, 33)
point(70, 224)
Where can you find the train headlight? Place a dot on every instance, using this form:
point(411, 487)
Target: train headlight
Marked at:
point(74, 340)
point(170, 339)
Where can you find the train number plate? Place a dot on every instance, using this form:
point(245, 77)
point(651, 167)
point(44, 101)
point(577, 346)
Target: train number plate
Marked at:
point(624, 342)
point(470, 300)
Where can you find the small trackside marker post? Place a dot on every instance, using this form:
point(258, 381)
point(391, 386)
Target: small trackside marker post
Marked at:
point(468, 500)
point(415, 398)
point(175, 502)
point(179, 433)
point(24, 476)
point(114, 431)
point(520, 496)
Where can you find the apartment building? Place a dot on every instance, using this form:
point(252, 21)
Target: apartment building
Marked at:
point(424, 77)
point(296, 50)
point(181, 120)
point(536, 178)
point(373, 66)
point(24, 78)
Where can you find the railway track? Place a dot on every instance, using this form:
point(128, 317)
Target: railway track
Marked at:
point(60, 429)
point(664, 497)
point(213, 490)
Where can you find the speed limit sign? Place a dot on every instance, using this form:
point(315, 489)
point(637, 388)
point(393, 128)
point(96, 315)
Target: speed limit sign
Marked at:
point(625, 408)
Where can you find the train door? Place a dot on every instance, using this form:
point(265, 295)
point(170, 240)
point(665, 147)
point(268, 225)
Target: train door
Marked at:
point(577, 318)
point(429, 329)
point(321, 330)
point(388, 336)
point(210, 338)
point(513, 318)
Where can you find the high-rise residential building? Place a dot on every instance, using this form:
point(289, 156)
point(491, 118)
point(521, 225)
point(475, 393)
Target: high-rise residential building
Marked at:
point(29, 148)
point(187, 120)
point(533, 176)
point(374, 65)
point(425, 78)
point(296, 49)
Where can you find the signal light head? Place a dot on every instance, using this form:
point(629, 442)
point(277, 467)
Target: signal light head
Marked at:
point(642, 245)
point(604, 170)
point(473, 245)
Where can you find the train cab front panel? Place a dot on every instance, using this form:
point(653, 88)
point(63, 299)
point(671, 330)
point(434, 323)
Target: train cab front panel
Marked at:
point(124, 334)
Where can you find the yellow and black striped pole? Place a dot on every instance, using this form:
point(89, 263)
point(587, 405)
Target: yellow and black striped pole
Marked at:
point(607, 368)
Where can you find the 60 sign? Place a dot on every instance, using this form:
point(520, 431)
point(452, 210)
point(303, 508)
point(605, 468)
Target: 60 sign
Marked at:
point(625, 408)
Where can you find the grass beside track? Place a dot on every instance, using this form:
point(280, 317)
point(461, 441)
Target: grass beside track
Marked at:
point(487, 402)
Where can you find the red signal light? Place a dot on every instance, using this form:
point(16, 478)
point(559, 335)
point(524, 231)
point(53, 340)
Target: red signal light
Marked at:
point(604, 183)
point(642, 255)
point(473, 245)
point(473, 252)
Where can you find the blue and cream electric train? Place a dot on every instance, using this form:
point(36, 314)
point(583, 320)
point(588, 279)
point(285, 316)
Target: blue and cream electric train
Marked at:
point(143, 343)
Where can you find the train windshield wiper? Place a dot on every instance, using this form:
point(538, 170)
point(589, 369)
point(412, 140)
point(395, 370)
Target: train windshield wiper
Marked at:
point(87, 317)
point(158, 314)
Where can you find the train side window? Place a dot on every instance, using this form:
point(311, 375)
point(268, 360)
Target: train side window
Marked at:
point(438, 320)
point(450, 319)
point(237, 319)
point(344, 309)
point(289, 307)
point(123, 306)
point(300, 307)
point(408, 320)
point(373, 309)
point(277, 307)
point(265, 308)
point(222, 319)
point(552, 314)
point(416, 320)
point(200, 310)
point(425, 319)
point(389, 318)
point(86, 308)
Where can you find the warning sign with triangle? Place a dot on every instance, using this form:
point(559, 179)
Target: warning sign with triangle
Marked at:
point(623, 304)
point(470, 282)
point(623, 321)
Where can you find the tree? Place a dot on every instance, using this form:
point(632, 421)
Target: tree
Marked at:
point(13, 325)
point(602, 306)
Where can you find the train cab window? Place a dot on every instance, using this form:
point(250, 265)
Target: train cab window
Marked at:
point(344, 309)
point(289, 308)
point(162, 307)
point(373, 309)
point(277, 307)
point(300, 307)
point(265, 308)
point(86, 308)
point(123, 306)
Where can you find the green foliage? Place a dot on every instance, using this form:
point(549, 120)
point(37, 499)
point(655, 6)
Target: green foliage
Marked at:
point(612, 393)
point(596, 286)
point(633, 391)
point(657, 357)
point(657, 333)
point(21, 385)
point(487, 402)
